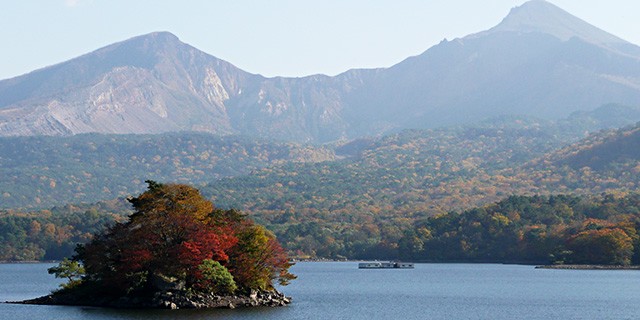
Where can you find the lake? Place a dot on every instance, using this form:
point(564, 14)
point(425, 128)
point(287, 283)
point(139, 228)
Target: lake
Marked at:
point(339, 290)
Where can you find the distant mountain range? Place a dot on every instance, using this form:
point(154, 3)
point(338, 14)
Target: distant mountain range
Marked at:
point(539, 61)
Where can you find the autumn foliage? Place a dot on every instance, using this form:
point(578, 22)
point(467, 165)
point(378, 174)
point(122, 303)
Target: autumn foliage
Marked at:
point(176, 236)
point(542, 230)
point(603, 242)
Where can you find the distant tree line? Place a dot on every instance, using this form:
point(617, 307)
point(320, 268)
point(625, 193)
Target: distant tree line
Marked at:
point(529, 229)
point(550, 230)
point(54, 233)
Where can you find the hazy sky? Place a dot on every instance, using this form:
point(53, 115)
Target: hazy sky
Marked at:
point(271, 37)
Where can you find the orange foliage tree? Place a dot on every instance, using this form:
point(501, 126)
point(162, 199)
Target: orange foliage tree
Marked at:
point(172, 237)
point(601, 242)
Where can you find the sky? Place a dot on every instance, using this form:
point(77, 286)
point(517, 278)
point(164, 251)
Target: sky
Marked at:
point(271, 37)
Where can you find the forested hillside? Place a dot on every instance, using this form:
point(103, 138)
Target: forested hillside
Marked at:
point(40, 172)
point(554, 229)
point(369, 195)
point(428, 171)
point(410, 177)
point(53, 234)
point(602, 152)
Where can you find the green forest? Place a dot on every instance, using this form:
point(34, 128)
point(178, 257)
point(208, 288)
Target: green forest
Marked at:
point(53, 234)
point(42, 172)
point(423, 195)
point(540, 229)
point(525, 229)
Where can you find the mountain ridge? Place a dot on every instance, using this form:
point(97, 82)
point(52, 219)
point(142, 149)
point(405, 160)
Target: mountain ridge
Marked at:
point(155, 83)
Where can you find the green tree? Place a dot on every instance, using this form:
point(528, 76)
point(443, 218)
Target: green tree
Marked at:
point(216, 278)
point(68, 269)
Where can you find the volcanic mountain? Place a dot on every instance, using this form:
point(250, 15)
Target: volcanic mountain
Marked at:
point(539, 60)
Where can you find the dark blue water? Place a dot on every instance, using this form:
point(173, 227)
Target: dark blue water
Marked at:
point(341, 291)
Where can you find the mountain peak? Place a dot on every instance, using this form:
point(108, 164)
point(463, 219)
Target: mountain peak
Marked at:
point(158, 37)
point(161, 34)
point(151, 41)
point(545, 17)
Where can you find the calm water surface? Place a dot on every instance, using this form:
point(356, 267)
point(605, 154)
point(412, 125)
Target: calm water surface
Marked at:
point(338, 290)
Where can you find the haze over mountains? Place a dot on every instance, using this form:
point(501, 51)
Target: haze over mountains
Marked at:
point(539, 60)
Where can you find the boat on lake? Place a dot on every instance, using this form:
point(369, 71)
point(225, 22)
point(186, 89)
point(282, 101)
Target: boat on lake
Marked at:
point(385, 265)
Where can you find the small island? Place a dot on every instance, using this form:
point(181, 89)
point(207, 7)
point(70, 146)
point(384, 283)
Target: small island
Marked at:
point(175, 251)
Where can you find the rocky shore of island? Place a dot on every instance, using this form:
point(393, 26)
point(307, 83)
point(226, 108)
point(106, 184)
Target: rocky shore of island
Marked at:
point(588, 267)
point(167, 300)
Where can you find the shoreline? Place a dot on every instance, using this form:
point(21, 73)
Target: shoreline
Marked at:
point(588, 267)
point(28, 261)
point(166, 300)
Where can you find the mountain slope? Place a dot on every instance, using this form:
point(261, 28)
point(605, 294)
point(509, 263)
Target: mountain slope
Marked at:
point(418, 171)
point(155, 83)
point(147, 84)
point(539, 61)
point(543, 17)
point(606, 151)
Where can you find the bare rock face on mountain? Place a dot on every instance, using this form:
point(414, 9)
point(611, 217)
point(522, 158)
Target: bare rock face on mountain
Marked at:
point(539, 60)
point(147, 84)
point(155, 83)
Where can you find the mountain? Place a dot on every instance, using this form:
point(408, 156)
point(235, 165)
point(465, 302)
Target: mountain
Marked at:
point(540, 61)
point(539, 16)
point(147, 84)
point(155, 83)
